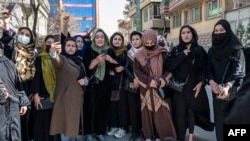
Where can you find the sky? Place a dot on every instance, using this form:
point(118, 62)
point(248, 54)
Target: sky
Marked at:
point(110, 12)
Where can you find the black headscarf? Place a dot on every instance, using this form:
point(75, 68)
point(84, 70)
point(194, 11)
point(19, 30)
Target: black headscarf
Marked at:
point(75, 58)
point(230, 43)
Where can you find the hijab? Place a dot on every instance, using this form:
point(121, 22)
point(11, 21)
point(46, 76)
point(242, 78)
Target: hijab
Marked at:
point(48, 70)
point(100, 69)
point(82, 51)
point(224, 44)
point(153, 57)
point(117, 50)
point(74, 57)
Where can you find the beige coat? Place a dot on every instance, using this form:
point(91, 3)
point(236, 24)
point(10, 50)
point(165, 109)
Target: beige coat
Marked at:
point(68, 98)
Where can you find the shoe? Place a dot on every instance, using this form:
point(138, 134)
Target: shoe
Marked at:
point(112, 131)
point(157, 139)
point(120, 133)
point(89, 138)
point(101, 138)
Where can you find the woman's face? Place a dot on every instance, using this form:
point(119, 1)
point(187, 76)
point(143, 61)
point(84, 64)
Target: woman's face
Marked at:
point(49, 41)
point(117, 41)
point(79, 43)
point(136, 41)
point(70, 47)
point(186, 35)
point(218, 29)
point(25, 32)
point(99, 39)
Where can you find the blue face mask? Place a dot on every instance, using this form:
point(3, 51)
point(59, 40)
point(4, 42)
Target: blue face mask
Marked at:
point(23, 39)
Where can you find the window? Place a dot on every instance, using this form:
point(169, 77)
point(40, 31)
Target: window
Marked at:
point(186, 17)
point(154, 12)
point(196, 14)
point(213, 9)
point(145, 14)
point(177, 20)
point(242, 3)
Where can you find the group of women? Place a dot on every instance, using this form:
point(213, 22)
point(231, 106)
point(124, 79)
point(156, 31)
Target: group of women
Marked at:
point(79, 88)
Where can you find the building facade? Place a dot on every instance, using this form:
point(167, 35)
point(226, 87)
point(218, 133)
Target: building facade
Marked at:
point(84, 12)
point(200, 14)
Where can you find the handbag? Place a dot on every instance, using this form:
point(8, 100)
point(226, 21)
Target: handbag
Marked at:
point(115, 94)
point(127, 87)
point(93, 79)
point(46, 104)
point(176, 85)
point(4, 93)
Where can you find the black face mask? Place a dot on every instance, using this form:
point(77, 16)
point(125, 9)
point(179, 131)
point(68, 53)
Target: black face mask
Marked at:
point(162, 44)
point(150, 47)
point(219, 38)
point(48, 48)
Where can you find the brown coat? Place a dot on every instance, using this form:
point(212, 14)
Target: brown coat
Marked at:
point(68, 98)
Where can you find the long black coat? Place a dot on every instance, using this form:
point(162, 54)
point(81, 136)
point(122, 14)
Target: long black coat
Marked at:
point(194, 66)
point(9, 111)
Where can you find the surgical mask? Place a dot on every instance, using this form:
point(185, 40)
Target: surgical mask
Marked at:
point(23, 39)
point(48, 48)
point(150, 47)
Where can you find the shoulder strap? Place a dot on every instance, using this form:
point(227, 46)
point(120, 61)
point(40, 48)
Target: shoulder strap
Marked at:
point(225, 72)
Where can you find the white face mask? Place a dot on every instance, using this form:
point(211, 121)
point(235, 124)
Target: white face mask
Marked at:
point(23, 39)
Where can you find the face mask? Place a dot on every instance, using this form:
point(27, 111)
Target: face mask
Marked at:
point(162, 44)
point(150, 47)
point(23, 39)
point(219, 38)
point(48, 48)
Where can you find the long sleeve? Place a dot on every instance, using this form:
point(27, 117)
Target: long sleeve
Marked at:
point(175, 58)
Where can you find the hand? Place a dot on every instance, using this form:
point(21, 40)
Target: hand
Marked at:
point(119, 69)
point(214, 86)
point(162, 82)
point(186, 51)
point(56, 47)
point(6, 16)
point(100, 58)
point(224, 93)
point(66, 20)
point(112, 73)
point(37, 101)
point(136, 83)
point(81, 82)
point(153, 84)
point(197, 89)
point(23, 110)
point(110, 59)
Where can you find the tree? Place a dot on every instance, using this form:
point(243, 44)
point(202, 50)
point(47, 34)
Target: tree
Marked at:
point(247, 35)
point(240, 31)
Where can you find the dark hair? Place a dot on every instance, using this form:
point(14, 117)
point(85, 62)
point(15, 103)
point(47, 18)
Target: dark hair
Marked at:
point(194, 34)
point(31, 33)
point(135, 33)
point(49, 36)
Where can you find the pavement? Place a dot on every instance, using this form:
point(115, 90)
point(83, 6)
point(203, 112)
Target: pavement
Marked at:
point(199, 134)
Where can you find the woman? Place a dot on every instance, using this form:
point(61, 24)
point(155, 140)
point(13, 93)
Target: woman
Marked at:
point(133, 97)
point(226, 65)
point(81, 45)
point(43, 88)
point(13, 101)
point(162, 42)
point(98, 96)
point(148, 68)
point(118, 116)
point(187, 63)
point(68, 105)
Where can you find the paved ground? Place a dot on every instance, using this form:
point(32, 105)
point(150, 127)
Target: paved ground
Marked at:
point(199, 134)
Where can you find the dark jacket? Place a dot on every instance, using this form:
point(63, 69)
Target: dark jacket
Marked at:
point(8, 40)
